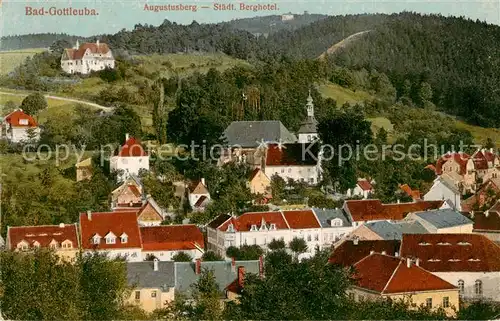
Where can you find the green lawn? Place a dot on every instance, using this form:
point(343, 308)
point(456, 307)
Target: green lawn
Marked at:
point(480, 134)
point(13, 58)
point(342, 95)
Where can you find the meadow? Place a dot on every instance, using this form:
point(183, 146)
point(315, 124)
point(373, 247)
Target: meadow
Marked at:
point(9, 60)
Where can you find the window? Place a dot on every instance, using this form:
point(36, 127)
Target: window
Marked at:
point(428, 303)
point(272, 226)
point(137, 295)
point(446, 302)
point(22, 246)
point(461, 287)
point(316, 237)
point(282, 170)
point(309, 237)
point(53, 245)
point(110, 240)
point(478, 288)
point(311, 180)
point(253, 228)
point(96, 239)
point(153, 294)
point(309, 138)
point(67, 244)
point(124, 238)
point(230, 228)
point(23, 122)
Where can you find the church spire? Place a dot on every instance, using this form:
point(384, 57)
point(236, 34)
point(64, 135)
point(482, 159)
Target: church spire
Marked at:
point(310, 105)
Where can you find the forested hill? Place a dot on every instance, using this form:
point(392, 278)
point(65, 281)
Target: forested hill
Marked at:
point(39, 40)
point(270, 24)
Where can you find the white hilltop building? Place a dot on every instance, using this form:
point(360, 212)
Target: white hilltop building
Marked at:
point(86, 58)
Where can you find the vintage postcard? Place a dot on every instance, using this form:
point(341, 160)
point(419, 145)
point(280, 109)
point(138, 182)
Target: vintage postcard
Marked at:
point(249, 160)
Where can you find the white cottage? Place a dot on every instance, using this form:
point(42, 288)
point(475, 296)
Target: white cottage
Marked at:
point(130, 159)
point(20, 127)
point(88, 57)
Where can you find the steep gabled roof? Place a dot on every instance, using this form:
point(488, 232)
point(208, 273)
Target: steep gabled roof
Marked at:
point(18, 118)
point(132, 148)
point(102, 223)
point(171, 237)
point(485, 222)
point(219, 220)
point(452, 252)
point(202, 202)
point(365, 185)
point(43, 234)
point(390, 275)
point(460, 158)
point(443, 218)
point(250, 133)
point(244, 222)
point(197, 187)
point(143, 275)
point(348, 252)
point(292, 155)
point(414, 194)
point(94, 48)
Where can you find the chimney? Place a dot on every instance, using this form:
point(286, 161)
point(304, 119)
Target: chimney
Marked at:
point(241, 275)
point(61, 225)
point(261, 266)
point(486, 213)
point(198, 266)
point(89, 215)
point(355, 241)
point(408, 262)
point(127, 136)
point(384, 252)
point(97, 42)
point(472, 214)
point(131, 204)
point(491, 150)
point(417, 262)
point(203, 181)
point(233, 264)
point(155, 264)
point(396, 254)
point(398, 201)
point(371, 252)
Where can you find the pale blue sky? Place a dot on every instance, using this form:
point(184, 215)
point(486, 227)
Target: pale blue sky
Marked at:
point(116, 15)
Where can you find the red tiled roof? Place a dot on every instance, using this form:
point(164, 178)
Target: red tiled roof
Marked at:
point(496, 207)
point(348, 253)
point(43, 234)
point(481, 159)
point(365, 185)
point(15, 117)
point(460, 158)
point(132, 148)
point(390, 275)
point(414, 194)
point(301, 219)
point(75, 54)
point(171, 237)
point(254, 173)
point(368, 210)
point(118, 222)
point(491, 222)
point(234, 287)
point(481, 196)
point(292, 155)
point(452, 252)
point(244, 222)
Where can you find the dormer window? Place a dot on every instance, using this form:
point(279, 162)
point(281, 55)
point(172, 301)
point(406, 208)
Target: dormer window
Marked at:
point(53, 245)
point(96, 239)
point(434, 260)
point(253, 228)
point(444, 243)
point(23, 246)
point(67, 244)
point(463, 243)
point(124, 238)
point(110, 238)
point(424, 244)
point(272, 227)
point(36, 244)
point(23, 122)
point(336, 222)
point(230, 228)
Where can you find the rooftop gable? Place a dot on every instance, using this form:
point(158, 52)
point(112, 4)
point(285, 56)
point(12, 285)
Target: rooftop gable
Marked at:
point(18, 118)
point(132, 148)
point(297, 154)
point(245, 222)
point(42, 234)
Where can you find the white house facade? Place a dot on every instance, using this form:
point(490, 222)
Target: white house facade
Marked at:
point(130, 159)
point(20, 127)
point(86, 58)
point(444, 190)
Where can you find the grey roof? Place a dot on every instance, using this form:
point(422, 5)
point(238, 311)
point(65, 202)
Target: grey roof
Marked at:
point(309, 126)
point(143, 275)
point(394, 231)
point(185, 275)
point(444, 218)
point(326, 214)
point(249, 133)
point(449, 184)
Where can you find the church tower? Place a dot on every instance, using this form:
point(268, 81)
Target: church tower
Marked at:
point(308, 130)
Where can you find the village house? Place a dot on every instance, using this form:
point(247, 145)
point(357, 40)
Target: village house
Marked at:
point(128, 195)
point(362, 189)
point(153, 284)
point(298, 162)
point(469, 261)
point(364, 211)
point(487, 223)
point(468, 172)
point(130, 159)
point(442, 221)
point(385, 230)
point(84, 169)
point(86, 58)
point(317, 227)
point(62, 238)
point(115, 233)
point(198, 195)
point(19, 127)
point(260, 184)
point(444, 189)
point(164, 242)
point(413, 193)
point(150, 214)
point(485, 196)
point(380, 276)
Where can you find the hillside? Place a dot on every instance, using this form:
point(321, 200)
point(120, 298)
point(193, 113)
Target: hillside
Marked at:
point(39, 40)
point(11, 59)
point(271, 24)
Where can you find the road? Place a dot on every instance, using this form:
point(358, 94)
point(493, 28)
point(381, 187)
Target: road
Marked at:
point(83, 102)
